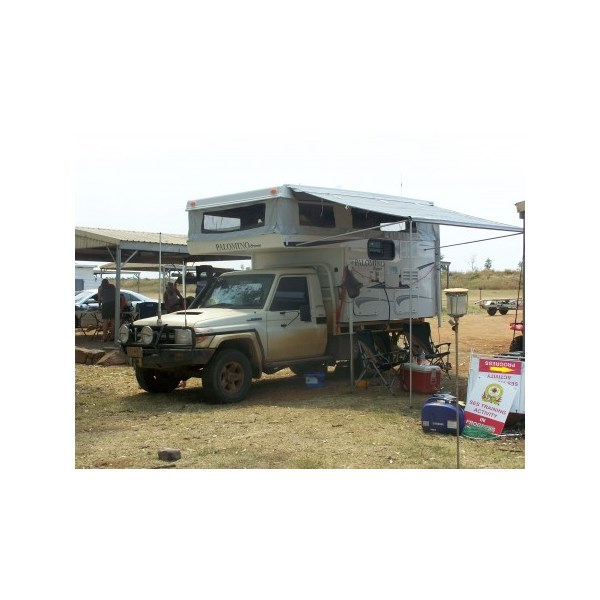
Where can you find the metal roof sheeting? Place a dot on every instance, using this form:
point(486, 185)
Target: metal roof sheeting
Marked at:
point(93, 237)
point(101, 244)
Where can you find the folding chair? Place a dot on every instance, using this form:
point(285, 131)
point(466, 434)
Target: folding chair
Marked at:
point(377, 362)
point(435, 354)
point(90, 323)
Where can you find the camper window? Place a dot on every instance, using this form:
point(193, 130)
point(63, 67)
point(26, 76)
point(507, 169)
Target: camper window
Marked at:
point(234, 219)
point(315, 215)
point(381, 249)
point(365, 219)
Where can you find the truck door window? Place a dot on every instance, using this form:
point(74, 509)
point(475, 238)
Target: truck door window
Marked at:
point(291, 294)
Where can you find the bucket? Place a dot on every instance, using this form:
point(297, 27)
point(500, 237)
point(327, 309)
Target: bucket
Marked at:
point(314, 380)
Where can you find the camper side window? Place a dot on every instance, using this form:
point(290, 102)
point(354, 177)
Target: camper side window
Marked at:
point(363, 219)
point(315, 215)
point(233, 219)
point(381, 249)
point(291, 294)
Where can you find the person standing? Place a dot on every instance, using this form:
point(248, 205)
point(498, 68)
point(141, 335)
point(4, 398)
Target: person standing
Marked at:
point(107, 298)
point(172, 298)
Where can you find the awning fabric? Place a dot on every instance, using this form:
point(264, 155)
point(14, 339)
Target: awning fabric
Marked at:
point(418, 210)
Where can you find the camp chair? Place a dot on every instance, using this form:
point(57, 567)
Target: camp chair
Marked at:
point(90, 323)
point(435, 354)
point(377, 362)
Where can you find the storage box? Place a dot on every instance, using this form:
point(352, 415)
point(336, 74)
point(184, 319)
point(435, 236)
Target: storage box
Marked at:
point(314, 380)
point(426, 379)
point(439, 415)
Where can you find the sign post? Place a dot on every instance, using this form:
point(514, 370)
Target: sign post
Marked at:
point(494, 383)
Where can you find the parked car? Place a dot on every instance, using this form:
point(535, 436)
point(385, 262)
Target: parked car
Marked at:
point(86, 301)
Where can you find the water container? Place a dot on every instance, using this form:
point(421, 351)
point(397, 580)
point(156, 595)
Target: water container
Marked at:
point(314, 380)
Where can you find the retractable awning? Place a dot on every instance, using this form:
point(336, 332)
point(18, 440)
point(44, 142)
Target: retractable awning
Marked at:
point(418, 210)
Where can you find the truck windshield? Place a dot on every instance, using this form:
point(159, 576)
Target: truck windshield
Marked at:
point(242, 291)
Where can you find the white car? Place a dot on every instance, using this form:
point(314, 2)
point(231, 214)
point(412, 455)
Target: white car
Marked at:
point(86, 302)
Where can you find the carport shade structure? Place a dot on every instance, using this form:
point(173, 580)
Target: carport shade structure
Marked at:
point(124, 247)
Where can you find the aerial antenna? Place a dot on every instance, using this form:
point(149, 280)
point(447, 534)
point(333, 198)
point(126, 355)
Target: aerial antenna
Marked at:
point(159, 321)
point(401, 184)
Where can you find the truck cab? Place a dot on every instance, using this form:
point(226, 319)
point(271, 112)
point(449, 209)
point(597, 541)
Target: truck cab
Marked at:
point(249, 323)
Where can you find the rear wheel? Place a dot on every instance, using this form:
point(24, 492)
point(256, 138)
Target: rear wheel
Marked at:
point(228, 377)
point(491, 311)
point(156, 382)
point(503, 310)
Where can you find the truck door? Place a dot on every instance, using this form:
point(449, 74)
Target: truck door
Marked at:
point(296, 320)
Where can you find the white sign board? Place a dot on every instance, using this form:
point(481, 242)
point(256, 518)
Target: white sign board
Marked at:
point(494, 385)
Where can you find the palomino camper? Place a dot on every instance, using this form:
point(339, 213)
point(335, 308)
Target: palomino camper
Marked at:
point(325, 262)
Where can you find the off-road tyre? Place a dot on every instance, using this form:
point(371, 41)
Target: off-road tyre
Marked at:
point(227, 377)
point(155, 381)
point(503, 310)
point(491, 311)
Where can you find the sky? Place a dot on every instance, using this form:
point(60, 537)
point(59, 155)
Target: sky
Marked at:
point(387, 99)
point(118, 113)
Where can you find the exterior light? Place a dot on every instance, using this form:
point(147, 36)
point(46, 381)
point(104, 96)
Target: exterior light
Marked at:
point(457, 302)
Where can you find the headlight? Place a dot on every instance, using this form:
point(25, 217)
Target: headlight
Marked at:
point(124, 334)
point(183, 336)
point(147, 335)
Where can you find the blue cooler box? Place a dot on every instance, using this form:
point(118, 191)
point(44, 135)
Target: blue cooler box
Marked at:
point(314, 380)
point(439, 414)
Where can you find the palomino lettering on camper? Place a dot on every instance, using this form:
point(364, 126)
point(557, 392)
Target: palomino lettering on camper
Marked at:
point(236, 246)
point(365, 262)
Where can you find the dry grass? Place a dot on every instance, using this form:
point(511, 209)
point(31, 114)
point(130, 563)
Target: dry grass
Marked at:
point(282, 425)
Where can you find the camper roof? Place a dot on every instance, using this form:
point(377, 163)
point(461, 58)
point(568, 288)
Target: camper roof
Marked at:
point(404, 208)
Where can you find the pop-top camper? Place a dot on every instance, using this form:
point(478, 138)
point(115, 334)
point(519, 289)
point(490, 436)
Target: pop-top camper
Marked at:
point(325, 263)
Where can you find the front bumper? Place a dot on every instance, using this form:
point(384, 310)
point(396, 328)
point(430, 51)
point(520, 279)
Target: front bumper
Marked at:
point(164, 352)
point(167, 358)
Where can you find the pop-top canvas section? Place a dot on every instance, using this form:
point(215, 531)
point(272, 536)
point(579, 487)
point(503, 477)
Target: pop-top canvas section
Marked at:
point(285, 217)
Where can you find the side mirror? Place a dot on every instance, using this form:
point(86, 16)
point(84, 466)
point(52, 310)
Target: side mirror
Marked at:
point(305, 312)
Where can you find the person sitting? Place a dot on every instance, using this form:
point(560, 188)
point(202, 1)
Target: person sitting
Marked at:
point(172, 298)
